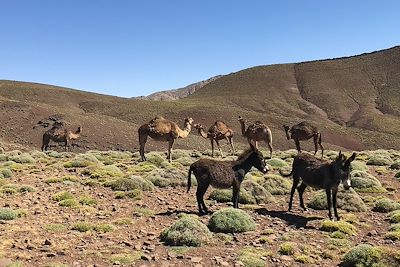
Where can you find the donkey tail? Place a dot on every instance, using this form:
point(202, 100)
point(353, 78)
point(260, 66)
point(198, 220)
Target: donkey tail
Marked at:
point(285, 175)
point(189, 181)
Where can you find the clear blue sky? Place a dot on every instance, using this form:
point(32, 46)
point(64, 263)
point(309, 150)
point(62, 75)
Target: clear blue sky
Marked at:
point(132, 48)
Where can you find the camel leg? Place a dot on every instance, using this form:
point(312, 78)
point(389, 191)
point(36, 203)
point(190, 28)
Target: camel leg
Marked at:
point(230, 141)
point(219, 148)
point(142, 142)
point(270, 149)
point(315, 143)
point(297, 142)
point(320, 145)
point(170, 145)
point(212, 147)
point(66, 145)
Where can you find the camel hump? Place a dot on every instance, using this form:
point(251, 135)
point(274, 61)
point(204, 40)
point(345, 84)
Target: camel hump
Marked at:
point(304, 126)
point(220, 127)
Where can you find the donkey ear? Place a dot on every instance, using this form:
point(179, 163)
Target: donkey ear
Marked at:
point(352, 157)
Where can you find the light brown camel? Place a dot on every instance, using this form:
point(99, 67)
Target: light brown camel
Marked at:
point(218, 131)
point(59, 134)
point(164, 130)
point(304, 131)
point(255, 132)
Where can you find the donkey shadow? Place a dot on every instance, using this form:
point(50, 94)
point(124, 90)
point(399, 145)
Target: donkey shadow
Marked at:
point(295, 220)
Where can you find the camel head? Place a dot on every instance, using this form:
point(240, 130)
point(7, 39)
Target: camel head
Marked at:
point(79, 130)
point(287, 128)
point(198, 126)
point(240, 119)
point(189, 121)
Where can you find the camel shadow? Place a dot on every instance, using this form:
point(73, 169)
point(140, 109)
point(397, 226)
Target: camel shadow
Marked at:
point(176, 212)
point(297, 221)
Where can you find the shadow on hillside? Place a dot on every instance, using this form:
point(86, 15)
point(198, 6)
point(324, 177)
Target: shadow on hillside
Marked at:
point(291, 219)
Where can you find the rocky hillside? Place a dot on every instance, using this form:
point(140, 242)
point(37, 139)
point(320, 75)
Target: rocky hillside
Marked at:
point(355, 102)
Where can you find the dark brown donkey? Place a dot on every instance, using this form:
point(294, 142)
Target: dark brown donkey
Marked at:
point(304, 131)
point(224, 174)
point(320, 174)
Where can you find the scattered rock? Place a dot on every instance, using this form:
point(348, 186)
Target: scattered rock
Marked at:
point(196, 259)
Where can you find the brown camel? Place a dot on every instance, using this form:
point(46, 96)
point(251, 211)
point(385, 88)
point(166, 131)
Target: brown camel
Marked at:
point(304, 131)
point(255, 132)
point(59, 134)
point(218, 131)
point(164, 130)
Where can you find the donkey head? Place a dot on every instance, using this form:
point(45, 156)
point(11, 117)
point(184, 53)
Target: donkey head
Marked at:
point(342, 169)
point(287, 128)
point(259, 160)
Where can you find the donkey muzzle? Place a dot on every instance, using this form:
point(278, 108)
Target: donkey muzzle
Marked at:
point(347, 184)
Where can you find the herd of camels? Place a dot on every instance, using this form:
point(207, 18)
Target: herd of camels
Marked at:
point(161, 129)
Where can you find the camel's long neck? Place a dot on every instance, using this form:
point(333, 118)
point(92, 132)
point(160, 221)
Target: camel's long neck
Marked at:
point(243, 127)
point(202, 133)
point(186, 130)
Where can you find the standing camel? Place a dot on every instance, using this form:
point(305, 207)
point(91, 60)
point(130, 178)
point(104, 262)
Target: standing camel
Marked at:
point(59, 134)
point(218, 131)
point(164, 130)
point(304, 131)
point(255, 132)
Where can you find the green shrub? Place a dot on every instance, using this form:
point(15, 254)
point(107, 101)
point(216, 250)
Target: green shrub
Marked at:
point(187, 231)
point(26, 188)
point(52, 180)
point(167, 177)
point(342, 226)
point(126, 259)
point(106, 171)
point(395, 227)
point(104, 228)
point(55, 227)
point(230, 220)
point(225, 195)
point(22, 158)
point(131, 183)
point(386, 205)
point(276, 184)
point(395, 165)
point(82, 160)
point(305, 259)
point(7, 173)
point(83, 226)
point(63, 195)
point(358, 165)
point(363, 255)
point(8, 214)
point(347, 200)
point(364, 182)
point(380, 160)
point(397, 175)
point(276, 163)
point(287, 248)
point(257, 192)
point(394, 217)
point(71, 203)
point(87, 200)
point(394, 235)
point(253, 257)
point(3, 157)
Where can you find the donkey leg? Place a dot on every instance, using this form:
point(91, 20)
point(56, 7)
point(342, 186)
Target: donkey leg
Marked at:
point(212, 148)
point(328, 197)
point(66, 145)
point(296, 181)
point(235, 196)
point(201, 190)
point(301, 189)
point(334, 200)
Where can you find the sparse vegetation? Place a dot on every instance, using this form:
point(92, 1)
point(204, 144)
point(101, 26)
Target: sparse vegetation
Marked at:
point(287, 248)
point(342, 226)
point(276, 184)
point(8, 214)
point(230, 220)
point(364, 182)
point(187, 231)
point(386, 205)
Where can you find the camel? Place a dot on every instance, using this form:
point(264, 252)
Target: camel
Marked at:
point(256, 132)
point(218, 131)
point(304, 131)
point(59, 134)
point(161, 129)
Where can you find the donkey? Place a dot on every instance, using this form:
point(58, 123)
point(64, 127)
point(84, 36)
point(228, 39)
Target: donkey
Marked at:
point(224, 174)
point(320, 174)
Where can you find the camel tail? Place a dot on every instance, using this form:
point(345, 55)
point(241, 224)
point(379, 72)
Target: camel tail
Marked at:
point(189, 181)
